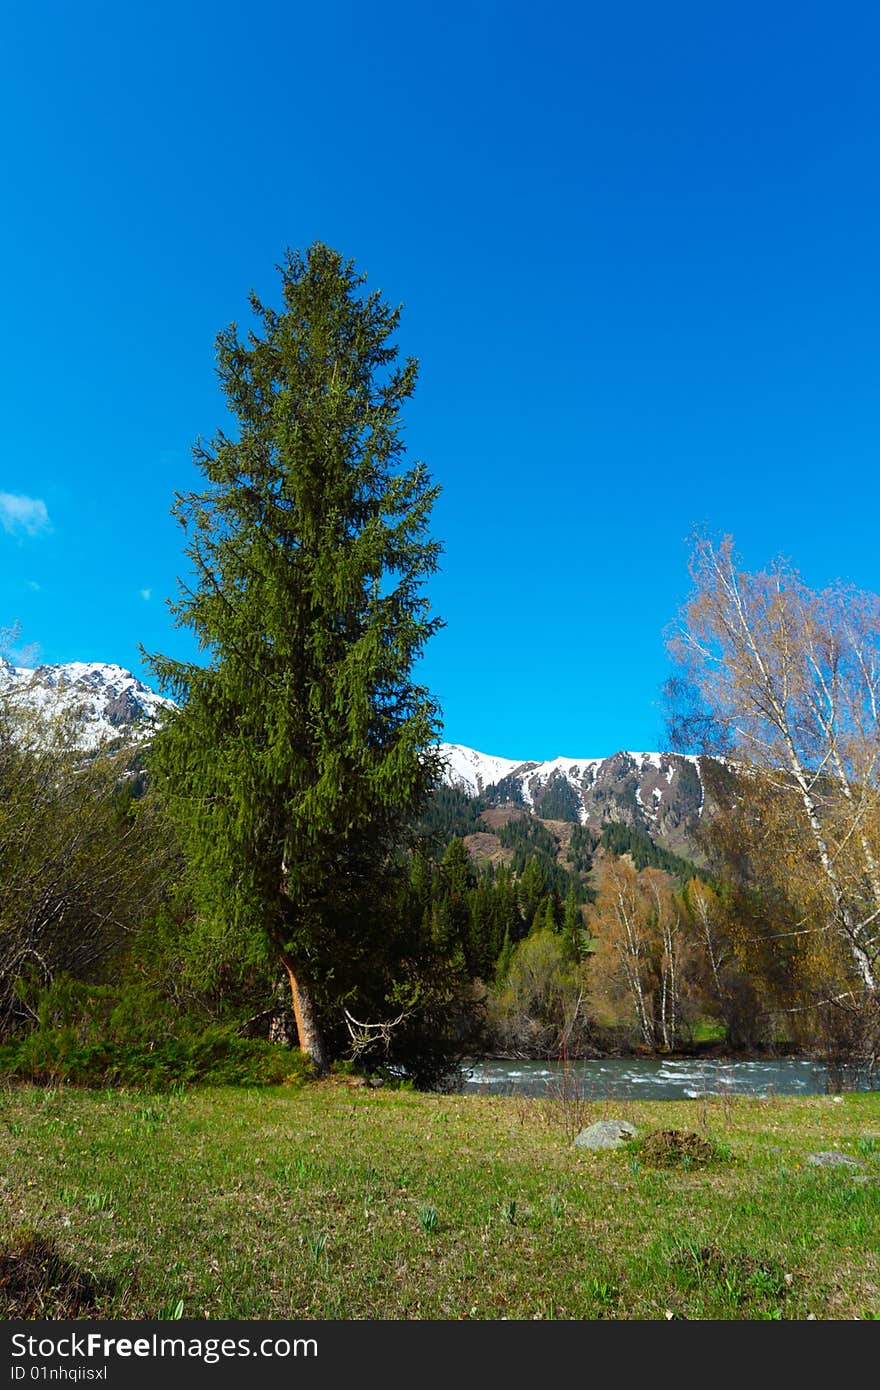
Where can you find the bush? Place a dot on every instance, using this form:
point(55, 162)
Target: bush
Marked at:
point(677, 1148)
point(538, 1009)
point(215, 1059)
point(84, 1036)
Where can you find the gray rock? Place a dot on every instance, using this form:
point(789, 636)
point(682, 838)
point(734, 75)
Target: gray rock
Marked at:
point(833, 1159)
point(606, 1134)
point(123, 709)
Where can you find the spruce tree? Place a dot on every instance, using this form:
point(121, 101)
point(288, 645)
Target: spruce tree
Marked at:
point(532, 889)
point(573, 924)
point(302, 749)
point(502, 967)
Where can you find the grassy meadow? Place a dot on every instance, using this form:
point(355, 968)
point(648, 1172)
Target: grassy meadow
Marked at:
point(330, 1201)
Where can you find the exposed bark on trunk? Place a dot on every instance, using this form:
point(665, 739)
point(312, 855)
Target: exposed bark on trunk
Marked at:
point(282, 1029)
point(826, 719)
point(632, 966)
point(720, 991)
point(670, 990)
point(311, 1039)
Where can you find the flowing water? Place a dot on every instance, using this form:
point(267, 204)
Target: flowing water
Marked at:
point(636, 1078)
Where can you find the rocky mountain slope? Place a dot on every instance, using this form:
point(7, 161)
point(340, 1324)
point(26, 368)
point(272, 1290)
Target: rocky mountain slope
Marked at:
point(661, 794)
point(106, 702)
point(658, 793)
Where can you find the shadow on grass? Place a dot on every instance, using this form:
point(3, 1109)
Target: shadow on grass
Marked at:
point(37, 1281)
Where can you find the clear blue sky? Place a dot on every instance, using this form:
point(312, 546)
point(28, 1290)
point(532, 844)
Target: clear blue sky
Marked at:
point(637, 249)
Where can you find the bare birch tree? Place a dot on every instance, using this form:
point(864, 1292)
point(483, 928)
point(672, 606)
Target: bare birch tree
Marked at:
point(640, 966)
point(789, 681)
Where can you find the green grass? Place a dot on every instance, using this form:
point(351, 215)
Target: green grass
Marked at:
point(330, 1202)
point(708, 1031)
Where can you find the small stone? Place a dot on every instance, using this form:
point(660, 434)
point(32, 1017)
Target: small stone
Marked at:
point(606, 1134)
point(832, 1159)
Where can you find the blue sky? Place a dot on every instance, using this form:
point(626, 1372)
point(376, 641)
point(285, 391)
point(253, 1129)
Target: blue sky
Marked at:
point(636, 246)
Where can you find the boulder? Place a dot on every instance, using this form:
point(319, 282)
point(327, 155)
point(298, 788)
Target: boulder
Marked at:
point(606, 1134)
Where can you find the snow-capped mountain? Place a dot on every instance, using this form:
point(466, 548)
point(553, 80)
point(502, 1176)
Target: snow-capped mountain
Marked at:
point(107, 702)
point(661, 793)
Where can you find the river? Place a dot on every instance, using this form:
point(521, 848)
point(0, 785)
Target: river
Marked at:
point(637, 1078)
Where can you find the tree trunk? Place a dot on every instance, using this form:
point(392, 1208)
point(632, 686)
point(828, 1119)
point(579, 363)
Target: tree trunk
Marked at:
point(851, 930)
point(311, 1039)
point(282, 1028)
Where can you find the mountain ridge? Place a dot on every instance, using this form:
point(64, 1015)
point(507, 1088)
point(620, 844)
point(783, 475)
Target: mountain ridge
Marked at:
point(659, 793)
point(662, 794)
point(106, 702)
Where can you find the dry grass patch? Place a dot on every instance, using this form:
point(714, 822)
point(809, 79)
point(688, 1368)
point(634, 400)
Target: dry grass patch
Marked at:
point(678, 1148)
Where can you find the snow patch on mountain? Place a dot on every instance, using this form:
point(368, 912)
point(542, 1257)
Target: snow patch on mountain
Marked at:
point(105, 702)
point(473, 772)
point(644, 789)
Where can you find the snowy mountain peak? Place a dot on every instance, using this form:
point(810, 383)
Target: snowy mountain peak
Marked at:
point(660, 793)
point(107, 702)
point(473, 771)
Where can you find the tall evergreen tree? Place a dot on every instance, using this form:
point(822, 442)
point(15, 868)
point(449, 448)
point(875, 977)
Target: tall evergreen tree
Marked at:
point(502, 967)
point(301, 752)
point(573, 925)
point(532, 889)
